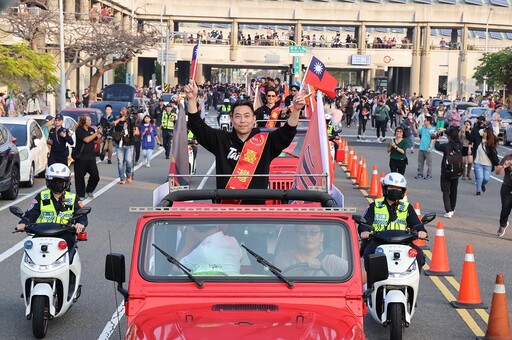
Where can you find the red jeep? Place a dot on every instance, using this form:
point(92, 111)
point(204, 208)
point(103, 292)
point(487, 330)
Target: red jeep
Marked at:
point(209, 271)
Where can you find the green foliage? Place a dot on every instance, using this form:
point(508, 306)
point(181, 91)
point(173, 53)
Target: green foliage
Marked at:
point(497, 67)
point(23, 69)
point(120, 74)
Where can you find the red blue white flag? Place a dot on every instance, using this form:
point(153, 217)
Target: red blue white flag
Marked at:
point(193, 62)
point(318, 77)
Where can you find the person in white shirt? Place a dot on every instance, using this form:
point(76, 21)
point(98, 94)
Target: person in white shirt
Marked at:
point(207, 250)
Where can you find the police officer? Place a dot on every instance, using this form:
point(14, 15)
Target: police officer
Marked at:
point(55, 204)
point(391, 213)
point(192, 142)
point(224, 109)
point(58, 138)
point(168, 118)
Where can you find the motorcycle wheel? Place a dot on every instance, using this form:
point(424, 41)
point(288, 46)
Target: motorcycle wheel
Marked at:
point(396, 311)
point(40, 316)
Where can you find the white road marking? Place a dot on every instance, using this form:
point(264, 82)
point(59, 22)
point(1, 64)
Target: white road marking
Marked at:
point(110, 327)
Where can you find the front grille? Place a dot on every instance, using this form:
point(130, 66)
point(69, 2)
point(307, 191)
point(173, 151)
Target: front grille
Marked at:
point(281, 184)
point(245, 307)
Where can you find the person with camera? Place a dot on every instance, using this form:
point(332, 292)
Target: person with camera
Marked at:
point(85, 157)
point(58, 138)
point(505, 192)
point(107, 123)
point(125, 129)
point(451, 169)
point(485, 154)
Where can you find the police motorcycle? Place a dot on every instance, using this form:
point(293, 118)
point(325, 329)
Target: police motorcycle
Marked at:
point(391, 298)
point(49, 271)
point(224, 119)
point(192, 152)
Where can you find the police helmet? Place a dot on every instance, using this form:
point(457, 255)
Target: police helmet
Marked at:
point(396, 180)
point(58, 177)
point(226, 101)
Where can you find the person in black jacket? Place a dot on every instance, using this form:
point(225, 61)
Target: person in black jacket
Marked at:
point(58, 138)
point(449, 180)
point(227, 146)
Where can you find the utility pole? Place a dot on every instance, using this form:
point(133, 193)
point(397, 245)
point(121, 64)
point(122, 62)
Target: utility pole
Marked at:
point(62, 57)
point(484, 90)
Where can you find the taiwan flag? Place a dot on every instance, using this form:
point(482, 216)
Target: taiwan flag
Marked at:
point(193, 62)
point(320, 79)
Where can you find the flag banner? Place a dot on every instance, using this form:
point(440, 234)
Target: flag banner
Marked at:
point(315, 155)
point(179, 155)
point(257, 103)
point(193, 62)
point(318, 77)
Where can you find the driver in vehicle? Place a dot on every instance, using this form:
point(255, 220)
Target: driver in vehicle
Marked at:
point(307, 258)
point(391, 213)
point(55, 204)
point(206, 250)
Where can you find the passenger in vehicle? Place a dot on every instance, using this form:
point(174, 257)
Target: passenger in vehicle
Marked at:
point(308, 259)
point(207, 250)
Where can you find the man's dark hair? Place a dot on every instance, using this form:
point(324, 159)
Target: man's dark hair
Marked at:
point(271, 89)
point(242, 102)
point(429, 118)
point(453, 134)
point(108, 105)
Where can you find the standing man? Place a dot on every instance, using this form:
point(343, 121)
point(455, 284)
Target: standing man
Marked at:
point(124, 131)
point(426, 143)
point(107, 123)
point(268, 114)
point(85, 98)
point(168, 118)
point(58, 138)
point(381, 113)
point(231, 147)
point(85, 163)
point(157, 120)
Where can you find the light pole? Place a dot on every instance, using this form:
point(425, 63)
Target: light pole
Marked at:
point(484, 90)
point(162, 62)
point(132, 62)
point(62, 57)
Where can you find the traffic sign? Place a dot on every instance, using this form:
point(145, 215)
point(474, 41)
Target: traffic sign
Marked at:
point(171, 56)
point(296, 65)
point(297, 50)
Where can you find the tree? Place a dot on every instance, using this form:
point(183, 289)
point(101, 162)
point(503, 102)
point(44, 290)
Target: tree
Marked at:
point(21, 68)
point(497, 67)
point(102, 45)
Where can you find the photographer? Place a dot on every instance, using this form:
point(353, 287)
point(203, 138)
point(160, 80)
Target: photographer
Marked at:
point(107, 123)
point(505, 192)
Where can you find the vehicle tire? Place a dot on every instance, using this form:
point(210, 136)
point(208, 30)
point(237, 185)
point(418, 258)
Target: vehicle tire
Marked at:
point(30, 182)
point(506, 141)
point(395, 312)
point(12, 192)
point(40, 316)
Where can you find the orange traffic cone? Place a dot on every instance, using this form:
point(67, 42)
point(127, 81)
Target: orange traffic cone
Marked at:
point(417, 209)
point(363, 178)
point(375, 184)
point(350, 160)
point(439, 265)
point(359, 169)
point(469, 291)
point(345, 156)
point(339, 150)
point(379, 192)
point(498, 327)
point(420, 243)
point(353, 169)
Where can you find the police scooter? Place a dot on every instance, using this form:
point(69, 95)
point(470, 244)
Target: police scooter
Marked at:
point(392, 300)
point(225, 122)
point(50, 271)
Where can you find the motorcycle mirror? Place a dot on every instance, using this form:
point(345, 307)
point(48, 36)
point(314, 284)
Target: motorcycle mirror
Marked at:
point(82, 212)
point(359, 219)
point(16, 211)
point(428, 217)
point(377, 268)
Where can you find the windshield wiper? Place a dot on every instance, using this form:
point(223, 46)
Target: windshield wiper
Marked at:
point(273, 269)
point(180, 265)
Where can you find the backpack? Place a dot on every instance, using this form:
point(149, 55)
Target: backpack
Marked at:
point(453, 161)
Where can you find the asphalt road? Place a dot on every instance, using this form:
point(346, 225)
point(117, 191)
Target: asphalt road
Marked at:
point(111, 226)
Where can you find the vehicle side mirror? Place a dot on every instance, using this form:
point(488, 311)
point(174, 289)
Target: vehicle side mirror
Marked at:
point(429, 217)
point(115, 268)
point(16, 211)
point(359, 219)
point(377, 268)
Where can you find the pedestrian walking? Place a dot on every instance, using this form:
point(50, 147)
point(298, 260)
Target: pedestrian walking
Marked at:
point(467, 152)
point(505, 192)
point(485, 156)
point(85, 158)
point(397, 150)
point(410, 130)
point(381, 113)
point(426, 132)
point(148, 134)
point(123, 137)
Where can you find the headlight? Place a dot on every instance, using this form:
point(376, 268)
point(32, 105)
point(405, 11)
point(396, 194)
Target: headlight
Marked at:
point(23, 155)
point(42, 268)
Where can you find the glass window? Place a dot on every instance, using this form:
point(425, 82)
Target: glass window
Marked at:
point(35, 131)
point(19, 132)
point(301, 250)
point(3, 135)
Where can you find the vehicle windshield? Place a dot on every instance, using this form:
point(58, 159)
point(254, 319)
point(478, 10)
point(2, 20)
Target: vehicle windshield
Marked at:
point(76, 116)
point(166, 97)
point(504, 114)
point(478, 112)
point(301, 250)
point(19, 132)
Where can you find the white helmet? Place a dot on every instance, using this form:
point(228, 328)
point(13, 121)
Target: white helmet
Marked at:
point(58, 177)
point(396, 180)
point(226, 101)
point(327, 116)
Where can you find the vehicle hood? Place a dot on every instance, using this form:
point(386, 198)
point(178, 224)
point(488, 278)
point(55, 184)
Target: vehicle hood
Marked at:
point(244, 321)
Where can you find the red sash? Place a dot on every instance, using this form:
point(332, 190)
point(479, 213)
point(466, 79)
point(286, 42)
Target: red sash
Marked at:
point(274, 115)
point(247, 163)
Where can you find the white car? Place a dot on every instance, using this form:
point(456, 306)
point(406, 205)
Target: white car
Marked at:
point(69, 124)
point(31, 144)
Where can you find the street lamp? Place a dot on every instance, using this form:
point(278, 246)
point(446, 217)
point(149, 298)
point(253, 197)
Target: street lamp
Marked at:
point(62, 57)
point(132, 62)
point(484, 90)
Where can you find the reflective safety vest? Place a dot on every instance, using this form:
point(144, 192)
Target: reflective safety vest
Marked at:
point(49, 214)
point(381, 216)
point(167, 123)
point(225, 108)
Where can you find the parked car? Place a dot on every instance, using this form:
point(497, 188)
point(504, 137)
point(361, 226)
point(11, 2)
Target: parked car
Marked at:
point(68, 123)
point(435, 103)
point(9, 165)
point(76, 113)
point(506, 126)
point(472, 113)
point(462, 106)
point(31, 144)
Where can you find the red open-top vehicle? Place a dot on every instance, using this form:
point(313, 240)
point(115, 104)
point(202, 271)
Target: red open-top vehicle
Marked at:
point(266, 295)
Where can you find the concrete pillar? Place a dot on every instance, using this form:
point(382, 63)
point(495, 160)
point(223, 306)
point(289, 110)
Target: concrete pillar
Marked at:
point(298, 32)
point(85, 7)
point(234, 41)
point(53, 4)
point(425, 63)
point(361, 39)
point(200, 76)
point(69, 9)
point(172, 74)
point(454, 36)
point(463, 65)
point(127, 22)
point(416, 62)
